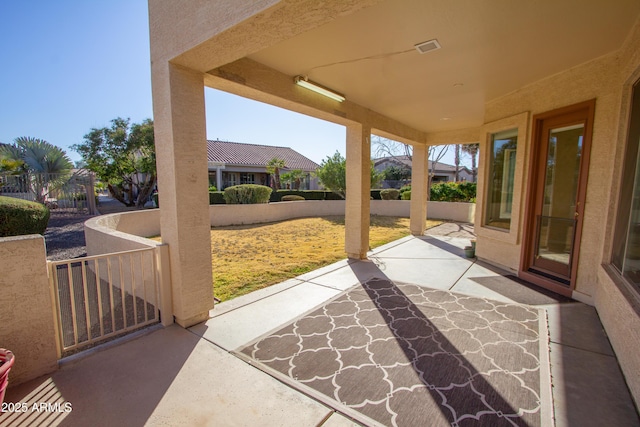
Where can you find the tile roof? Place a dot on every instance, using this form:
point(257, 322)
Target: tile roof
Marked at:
point(406, 161)
point(236, 153)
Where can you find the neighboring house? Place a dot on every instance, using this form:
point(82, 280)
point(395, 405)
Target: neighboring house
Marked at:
point(233, 163)
point(441, 173)
point(549, 90)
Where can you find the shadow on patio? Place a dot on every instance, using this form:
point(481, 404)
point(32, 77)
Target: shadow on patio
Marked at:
point(418, 293)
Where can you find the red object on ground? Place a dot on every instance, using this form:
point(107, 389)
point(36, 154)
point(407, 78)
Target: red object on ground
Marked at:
point(6, 362)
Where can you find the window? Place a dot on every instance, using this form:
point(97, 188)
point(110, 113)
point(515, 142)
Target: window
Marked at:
point(501, 177)
point(247, 178)
point(626, 238)
point(231, 179)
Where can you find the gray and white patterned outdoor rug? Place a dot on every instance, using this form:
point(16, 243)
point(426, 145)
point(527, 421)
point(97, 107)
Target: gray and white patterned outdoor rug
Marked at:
point(404, 355)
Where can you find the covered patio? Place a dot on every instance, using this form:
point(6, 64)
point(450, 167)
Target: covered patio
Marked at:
point(549, 90)
point(202, 376)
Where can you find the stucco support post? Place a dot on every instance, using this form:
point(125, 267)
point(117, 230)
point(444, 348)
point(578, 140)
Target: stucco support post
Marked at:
point(219, 178)
point(358, 191)
point(419, 175)
point(181, 149)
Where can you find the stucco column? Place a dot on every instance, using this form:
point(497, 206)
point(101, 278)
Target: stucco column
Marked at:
point(358, 191)
point(181, 150)
point(419, 175)
point(219, 178)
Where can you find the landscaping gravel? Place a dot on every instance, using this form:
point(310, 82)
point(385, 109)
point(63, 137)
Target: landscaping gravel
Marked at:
point(64, 237)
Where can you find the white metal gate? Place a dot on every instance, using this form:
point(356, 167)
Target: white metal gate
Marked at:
point(104, 296)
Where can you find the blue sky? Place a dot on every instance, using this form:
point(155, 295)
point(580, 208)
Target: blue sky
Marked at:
point(72, 65)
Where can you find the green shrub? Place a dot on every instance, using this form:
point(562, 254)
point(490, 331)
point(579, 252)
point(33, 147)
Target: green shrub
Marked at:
point(247, 194)
point(330, 195)
point(390, 194)
point(155, 200)
point(19, 217)
point(375, 195)
point(453, 192)
point(74, 196)
point(216, 198)
point(405, 188)
point(212, 188)
point(468, 191)
point(277, 196)
point(291, 198)
point(405, 195)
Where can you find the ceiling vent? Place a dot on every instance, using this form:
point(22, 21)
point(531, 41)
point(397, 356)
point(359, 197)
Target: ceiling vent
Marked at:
point(425, 47)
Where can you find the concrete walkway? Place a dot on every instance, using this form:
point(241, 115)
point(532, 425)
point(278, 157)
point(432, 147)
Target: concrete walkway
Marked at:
point(175, 376)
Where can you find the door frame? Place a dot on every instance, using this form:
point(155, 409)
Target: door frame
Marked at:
point(536, 179)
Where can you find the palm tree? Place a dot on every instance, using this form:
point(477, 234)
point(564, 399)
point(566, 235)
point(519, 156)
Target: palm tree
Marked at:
point(472, 150)
point(273, 167)
point(294, 178)
point(457, 162)
point(44, 165)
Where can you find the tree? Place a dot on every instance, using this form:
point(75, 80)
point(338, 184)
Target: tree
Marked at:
point(123, 156)
point(385, 147)
point(332, 174)
point(396, 173)
point(457, 162)
point(45, 167)
point(10, 167)
point(389, 148)
point(273, 167)
point(472, 151)
point(293, 178)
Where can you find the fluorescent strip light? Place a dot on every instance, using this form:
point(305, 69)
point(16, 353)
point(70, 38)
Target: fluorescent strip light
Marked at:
point(308, 84)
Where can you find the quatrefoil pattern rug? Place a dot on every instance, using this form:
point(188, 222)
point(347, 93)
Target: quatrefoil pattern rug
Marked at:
point(404, 355)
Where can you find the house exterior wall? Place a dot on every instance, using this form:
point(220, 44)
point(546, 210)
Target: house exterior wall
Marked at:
point(618, 305)
point(440, 175)
point(607, 80)
point(596, 79)
point(231, 177)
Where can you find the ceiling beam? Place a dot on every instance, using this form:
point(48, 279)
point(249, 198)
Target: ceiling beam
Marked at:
point(250, 79)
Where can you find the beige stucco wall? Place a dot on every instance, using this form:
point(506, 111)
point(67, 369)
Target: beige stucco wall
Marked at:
point(240, 27)
point(26, 310)
point(222, 215)
point(619, 310)
point(618, 304)
point(122, 231)
point(451, 211)
point(608, 80)
point(596, 79)
point(129, 230)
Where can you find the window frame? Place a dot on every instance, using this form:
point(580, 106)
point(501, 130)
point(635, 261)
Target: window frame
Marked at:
point(505, 208)
point(521, 122)
point(627, 152)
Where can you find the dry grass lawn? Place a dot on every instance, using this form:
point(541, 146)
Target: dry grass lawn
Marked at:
point(250, 257)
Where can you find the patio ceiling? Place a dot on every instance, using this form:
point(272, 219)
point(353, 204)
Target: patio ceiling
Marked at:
point(489, 48)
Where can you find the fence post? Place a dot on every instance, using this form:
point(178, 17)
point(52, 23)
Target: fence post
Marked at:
point(56, 311)
point(164, 284)
point(91, 196)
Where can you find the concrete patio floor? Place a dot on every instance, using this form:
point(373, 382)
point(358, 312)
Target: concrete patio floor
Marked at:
point(178, 376)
